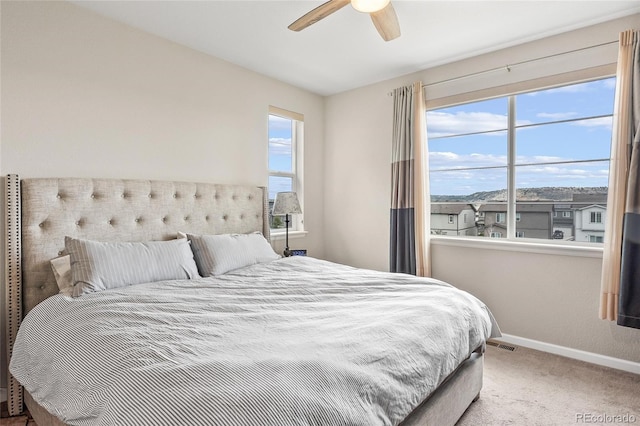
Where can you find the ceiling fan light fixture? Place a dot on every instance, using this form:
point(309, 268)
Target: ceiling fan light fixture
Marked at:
point(369, 6)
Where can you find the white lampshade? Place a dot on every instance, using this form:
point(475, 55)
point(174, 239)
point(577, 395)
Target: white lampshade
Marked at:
point(369, 6)
point(286, 203)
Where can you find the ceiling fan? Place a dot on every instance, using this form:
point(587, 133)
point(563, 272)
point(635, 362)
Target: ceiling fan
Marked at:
point(382, 14)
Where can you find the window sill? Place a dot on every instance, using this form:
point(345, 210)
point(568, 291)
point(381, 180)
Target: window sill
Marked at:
point(280, 235)
point(524, 246)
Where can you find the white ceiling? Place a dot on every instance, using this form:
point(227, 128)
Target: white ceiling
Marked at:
point(344, 51)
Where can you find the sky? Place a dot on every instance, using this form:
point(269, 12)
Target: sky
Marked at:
point(584, 138)
point(280, 158)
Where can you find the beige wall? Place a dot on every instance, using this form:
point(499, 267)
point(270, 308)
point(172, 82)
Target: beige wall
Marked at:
point(84, 96)
point(552, 299)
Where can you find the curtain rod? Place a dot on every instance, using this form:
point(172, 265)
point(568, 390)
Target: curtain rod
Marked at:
point(515, 64)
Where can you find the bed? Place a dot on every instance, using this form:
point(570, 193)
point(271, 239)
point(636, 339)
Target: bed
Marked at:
point(274, 341)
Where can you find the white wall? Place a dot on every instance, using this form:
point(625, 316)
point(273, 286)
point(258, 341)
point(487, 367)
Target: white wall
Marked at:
point(84, 96)
point(552, 299)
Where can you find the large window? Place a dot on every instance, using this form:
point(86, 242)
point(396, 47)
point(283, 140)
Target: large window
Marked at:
point(521, 157)
point(285, 147)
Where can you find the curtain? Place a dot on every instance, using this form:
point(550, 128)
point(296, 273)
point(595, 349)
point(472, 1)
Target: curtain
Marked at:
point(410, 210)
point(620, 298)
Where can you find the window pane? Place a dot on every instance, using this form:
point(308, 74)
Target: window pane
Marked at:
point(468, 185)
point(562, 149)
point(278, 184)
point(484, 150)
point(557, 201)
point(588, 99)
point(280, 146)
point(484, 116)
point(559, 182)
point(579, 140)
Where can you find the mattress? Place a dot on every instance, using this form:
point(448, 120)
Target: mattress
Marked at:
point(296, 341)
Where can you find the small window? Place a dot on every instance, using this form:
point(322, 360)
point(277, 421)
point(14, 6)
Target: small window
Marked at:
point(501, 217)
point(596, 217)
point(517, 217)
point(596, 239)
point(496, 235)
point(519, 234)
point(285, 142)
point(464, 218)
point(450, 218)
point(566, 214)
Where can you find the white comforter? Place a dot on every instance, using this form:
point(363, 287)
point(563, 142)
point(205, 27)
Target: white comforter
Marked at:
point(296, 341)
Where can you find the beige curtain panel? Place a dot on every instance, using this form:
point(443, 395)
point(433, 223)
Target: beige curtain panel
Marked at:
point(410, 213)
point(620, 298)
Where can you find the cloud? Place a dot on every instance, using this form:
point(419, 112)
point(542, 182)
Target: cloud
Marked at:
point(556, 115)
point(575, 88)
point(451, 160)
point(609, 83)
point(440, 124)
point(280, 146)
point(446, 124)
point(279, 123)
point(593, 123)
point(463, 182)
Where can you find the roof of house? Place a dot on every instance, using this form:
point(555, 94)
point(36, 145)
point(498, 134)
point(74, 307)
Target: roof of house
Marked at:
point(450, 208)
point(520, 207)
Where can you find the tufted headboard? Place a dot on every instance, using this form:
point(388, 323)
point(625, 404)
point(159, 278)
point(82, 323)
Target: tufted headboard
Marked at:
point(41, 212)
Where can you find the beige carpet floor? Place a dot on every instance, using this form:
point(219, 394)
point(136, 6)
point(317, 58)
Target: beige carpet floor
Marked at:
point(529, 387)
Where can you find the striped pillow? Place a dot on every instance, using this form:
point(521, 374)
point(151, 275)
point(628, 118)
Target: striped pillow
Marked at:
point(97, 266)
point(218, 254)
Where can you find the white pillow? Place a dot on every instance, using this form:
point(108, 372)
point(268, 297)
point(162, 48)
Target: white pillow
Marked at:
point(218, 254)
point(61, 267)
point(97, 266)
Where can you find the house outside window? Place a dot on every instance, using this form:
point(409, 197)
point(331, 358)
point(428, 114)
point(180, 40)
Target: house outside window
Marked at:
point(520, 153)
point(285, 142)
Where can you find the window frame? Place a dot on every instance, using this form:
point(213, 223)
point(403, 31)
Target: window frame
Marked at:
point(597, 215)
point(297, 185)
point(510, 91)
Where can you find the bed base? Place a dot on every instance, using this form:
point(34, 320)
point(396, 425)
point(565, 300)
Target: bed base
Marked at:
point(443, 407)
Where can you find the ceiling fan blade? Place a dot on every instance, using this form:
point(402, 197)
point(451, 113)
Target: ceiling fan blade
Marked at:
point(386, 22)
point(320, 12)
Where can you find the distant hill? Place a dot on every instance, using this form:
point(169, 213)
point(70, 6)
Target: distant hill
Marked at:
point(527, 194)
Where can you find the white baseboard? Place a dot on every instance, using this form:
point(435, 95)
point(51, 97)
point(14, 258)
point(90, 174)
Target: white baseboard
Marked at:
point(604, 360)
point(3, 394)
